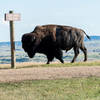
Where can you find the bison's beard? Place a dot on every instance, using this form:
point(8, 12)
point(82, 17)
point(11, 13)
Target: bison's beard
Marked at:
point(31, 55)
point(31, 52)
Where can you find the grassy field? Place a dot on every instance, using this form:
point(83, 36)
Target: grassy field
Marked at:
point(64, 89)
point(78, 64)
point(91, 63)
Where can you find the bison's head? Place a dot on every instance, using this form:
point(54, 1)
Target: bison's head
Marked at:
point(30, 44)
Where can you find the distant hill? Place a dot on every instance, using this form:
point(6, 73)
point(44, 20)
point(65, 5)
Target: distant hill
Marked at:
point(18, 43)
point(92, 38)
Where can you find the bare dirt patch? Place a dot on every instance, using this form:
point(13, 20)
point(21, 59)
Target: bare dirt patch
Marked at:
point(39, 73)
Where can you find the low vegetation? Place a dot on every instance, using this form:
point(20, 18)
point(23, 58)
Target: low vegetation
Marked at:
point(78, 64)
point(64, 89)
point(94, 63)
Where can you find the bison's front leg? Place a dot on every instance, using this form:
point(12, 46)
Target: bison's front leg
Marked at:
point(50, 58)
point(59, 54)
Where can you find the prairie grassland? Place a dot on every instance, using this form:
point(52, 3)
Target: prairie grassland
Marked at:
point(64, 89)
point(54, 64)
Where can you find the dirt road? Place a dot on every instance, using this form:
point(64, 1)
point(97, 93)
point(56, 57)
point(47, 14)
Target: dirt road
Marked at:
point(13, 75)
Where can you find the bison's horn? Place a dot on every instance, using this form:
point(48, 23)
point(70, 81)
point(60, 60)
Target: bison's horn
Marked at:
point(33, 38)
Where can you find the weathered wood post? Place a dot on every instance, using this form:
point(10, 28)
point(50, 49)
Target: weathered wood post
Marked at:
point(11, 17)
point(13, 60)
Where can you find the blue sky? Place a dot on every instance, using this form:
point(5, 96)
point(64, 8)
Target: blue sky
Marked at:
point(84, 14)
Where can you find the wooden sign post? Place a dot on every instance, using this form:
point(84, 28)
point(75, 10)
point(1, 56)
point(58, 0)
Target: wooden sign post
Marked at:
point(12, 17)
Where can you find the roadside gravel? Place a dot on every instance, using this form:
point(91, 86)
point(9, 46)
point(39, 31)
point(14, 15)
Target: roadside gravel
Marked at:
point(39, 73)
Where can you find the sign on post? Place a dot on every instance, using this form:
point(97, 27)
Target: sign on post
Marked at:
point(12, 17)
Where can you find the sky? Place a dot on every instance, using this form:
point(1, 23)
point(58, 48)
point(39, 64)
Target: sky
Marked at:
point(84, 14)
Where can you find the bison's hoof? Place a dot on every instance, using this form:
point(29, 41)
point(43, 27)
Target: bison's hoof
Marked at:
point(72, 61)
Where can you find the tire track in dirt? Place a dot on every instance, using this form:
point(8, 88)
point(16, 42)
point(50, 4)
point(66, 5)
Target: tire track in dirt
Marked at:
point(39, 73)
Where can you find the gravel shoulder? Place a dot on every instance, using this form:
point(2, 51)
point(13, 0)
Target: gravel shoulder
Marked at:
point(39, 73)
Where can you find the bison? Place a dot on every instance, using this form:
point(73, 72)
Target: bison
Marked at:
point(52, 39)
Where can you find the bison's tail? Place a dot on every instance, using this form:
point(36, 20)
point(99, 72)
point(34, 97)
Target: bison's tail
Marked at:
point(87, 35)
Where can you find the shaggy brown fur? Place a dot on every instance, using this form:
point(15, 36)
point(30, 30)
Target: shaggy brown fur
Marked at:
point(51, 39)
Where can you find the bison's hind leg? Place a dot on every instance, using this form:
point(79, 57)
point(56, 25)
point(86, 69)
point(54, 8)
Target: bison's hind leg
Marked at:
point(83, 48)
point(76, 53)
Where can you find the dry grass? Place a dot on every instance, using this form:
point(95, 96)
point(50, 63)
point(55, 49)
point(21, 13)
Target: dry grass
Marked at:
point(53, 64)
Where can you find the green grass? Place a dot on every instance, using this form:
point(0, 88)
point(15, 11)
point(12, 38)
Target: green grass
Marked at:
point(92, 63)
point(78, 64)
point(64, 89)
